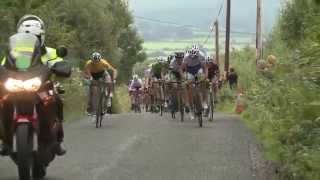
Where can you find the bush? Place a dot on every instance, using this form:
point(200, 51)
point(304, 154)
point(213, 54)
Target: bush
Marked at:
point(75, 99)
point(122, 103)
point(283, 106)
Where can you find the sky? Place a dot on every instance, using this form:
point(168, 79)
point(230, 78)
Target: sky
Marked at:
point(201, 13)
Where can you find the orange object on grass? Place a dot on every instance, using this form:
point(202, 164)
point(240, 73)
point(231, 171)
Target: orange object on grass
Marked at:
point(240, 105)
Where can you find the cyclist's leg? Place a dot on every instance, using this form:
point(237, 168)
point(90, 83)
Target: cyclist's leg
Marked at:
point(111, 88)
point(202, 90)
point(131, 95)
point(108, 80)
point(154, 93)
point(175, 89)
point(204, 99)
point(162, 93)
point(90, 103)
point(149, 100)
point(157, 91)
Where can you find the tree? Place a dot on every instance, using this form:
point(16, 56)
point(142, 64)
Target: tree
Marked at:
point(83, 26)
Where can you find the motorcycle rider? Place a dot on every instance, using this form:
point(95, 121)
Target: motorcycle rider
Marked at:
point(34, 25)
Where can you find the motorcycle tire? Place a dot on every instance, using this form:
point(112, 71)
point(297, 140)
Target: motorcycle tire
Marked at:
point(39, 171)
point(24, 151)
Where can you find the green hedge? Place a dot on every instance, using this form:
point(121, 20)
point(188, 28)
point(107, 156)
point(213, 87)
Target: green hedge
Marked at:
point(283, 110)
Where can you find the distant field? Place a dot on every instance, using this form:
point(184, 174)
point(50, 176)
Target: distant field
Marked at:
point(168, 46)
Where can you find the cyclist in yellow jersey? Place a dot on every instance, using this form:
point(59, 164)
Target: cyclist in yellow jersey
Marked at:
point(96, 69)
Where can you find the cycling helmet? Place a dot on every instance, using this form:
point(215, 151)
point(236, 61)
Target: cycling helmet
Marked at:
point(32, 24)
point(135, 77)
point(170, 57)
point(209, 59)
point(179, 55)
point(160, 60)
point(96, 57)
point(195, 50)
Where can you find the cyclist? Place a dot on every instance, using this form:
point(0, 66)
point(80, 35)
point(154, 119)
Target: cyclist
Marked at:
point(175, 72)
point(194, 66)
point(135, 86)
point(96, 69)
point(170, 58)
point(158, 72)
point(147, 88)
point(159, 69)
point(34, 25)
point(213, 75)
point(148, 77)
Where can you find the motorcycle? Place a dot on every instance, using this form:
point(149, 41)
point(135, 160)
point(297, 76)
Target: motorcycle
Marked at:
point(28, 105)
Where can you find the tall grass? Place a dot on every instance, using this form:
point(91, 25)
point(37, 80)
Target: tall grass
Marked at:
point(283, 108)
point(122, 103)
point(75, 99)
point(243, 61)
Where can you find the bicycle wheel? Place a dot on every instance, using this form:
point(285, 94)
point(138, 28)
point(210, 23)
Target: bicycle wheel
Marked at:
point(98, 114)
point(200, 121)
point(198, 108)
point(211, 108)
point(181, 107)
point(173, 105)
point(109, 105)
point(100, 109)
point(162, 99)
point(161, 109)
point(136, 105)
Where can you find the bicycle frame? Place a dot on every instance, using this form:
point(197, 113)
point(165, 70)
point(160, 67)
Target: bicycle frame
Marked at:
point(100, 101)
point(159, 100)
point(197, 104)
point(137, 100)
point(211, 101)
point(177, 91)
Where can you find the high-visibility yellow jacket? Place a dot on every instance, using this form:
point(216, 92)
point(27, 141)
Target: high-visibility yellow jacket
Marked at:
point(50, 58)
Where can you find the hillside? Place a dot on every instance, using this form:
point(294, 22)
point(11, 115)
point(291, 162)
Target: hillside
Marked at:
point(199, 14)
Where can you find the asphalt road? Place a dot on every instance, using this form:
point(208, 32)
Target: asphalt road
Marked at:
point(149, 147)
